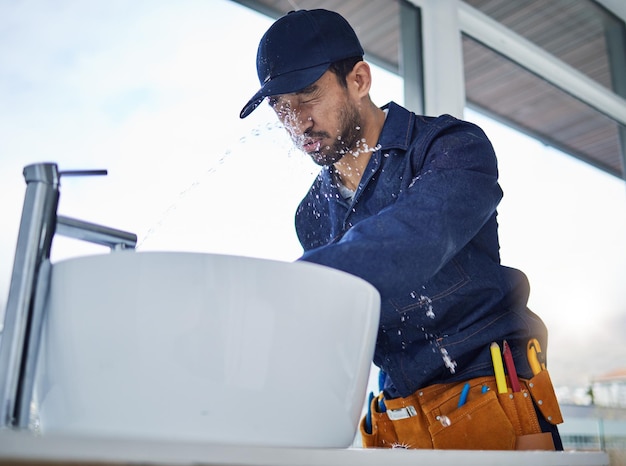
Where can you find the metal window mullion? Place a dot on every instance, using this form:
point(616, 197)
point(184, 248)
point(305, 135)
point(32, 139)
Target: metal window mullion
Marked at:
point(442, 57)
point(615, 34)
point(410, 56)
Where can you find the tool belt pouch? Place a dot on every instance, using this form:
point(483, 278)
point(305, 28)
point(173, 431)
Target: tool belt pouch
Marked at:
point(383, 434)
point(487, 421)
point(520, 411)
point(409, 422)
point(542, 391)
point(480, 424)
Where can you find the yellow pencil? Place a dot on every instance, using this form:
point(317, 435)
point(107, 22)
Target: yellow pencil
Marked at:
point(498, 367)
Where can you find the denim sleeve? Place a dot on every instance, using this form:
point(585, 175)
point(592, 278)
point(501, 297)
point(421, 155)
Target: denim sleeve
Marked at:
point(452, 193)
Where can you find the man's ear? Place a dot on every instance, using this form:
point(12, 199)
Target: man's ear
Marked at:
point(360, 78)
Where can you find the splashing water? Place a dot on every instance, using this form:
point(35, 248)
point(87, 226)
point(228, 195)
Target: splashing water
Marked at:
point(401, 445)
point(181, 196)
point(417, 178)
point(424, 301)
point(427, 303)
point(447, 360)
point(212, 170)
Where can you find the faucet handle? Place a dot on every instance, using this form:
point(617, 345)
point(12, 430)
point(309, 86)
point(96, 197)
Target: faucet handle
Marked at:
point(49, 173)
point(83, 172)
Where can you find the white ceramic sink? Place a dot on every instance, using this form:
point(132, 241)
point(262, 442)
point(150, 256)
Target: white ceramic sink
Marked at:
point(203, 347)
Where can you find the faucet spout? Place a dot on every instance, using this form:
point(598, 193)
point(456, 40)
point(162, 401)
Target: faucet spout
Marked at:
point(93, 233)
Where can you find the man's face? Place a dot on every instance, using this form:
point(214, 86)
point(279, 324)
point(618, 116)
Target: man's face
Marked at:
point(322, 119)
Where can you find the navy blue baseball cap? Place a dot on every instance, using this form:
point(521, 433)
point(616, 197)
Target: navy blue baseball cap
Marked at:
point(298, 49)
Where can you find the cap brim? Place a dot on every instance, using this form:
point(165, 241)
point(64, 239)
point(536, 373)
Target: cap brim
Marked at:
point(284, 84)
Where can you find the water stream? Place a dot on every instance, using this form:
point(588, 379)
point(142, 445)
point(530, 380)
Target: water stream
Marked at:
point(259, 136)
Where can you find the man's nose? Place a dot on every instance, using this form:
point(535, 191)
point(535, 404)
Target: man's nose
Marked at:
point(298, 123)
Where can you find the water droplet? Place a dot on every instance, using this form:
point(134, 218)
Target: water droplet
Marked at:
point(425, 301)
point(447, 360)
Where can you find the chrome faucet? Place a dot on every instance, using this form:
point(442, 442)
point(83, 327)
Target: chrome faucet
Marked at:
point(30, 280)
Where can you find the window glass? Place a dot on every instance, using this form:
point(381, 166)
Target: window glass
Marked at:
point(508, 92)
point(562, 222)
point(578, 33)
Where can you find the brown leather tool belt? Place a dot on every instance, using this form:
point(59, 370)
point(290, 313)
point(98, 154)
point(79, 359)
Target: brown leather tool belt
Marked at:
point(486, 420)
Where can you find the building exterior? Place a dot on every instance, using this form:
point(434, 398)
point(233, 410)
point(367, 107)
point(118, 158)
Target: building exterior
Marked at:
point(609, 390)
point(601, 424)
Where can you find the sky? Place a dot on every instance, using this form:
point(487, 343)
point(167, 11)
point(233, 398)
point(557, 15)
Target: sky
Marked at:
point(151, 91)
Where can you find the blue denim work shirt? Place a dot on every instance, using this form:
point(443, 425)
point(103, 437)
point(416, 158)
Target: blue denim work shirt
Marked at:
point(422, 229)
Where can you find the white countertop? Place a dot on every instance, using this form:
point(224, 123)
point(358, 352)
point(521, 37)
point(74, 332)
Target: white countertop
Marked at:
point(23, 447)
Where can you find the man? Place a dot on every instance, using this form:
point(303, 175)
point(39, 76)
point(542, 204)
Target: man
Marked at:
point(408, 203)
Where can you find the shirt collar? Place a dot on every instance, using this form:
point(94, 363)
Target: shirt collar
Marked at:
point(398, 128)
